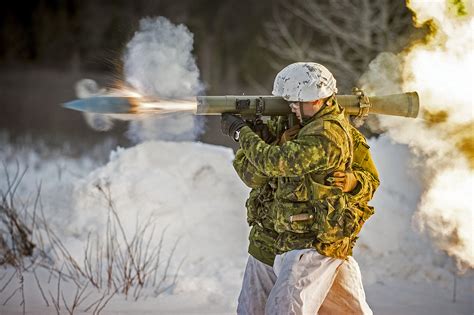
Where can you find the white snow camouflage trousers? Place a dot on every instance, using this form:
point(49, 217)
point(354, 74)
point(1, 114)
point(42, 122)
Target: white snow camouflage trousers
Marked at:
point(302, 282)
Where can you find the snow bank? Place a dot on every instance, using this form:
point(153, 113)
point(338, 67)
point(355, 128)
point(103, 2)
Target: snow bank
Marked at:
point(189, 188)
point(192, 191)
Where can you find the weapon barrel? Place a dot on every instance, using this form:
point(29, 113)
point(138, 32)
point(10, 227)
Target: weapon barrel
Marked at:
point(242, 104)
point(405, 105)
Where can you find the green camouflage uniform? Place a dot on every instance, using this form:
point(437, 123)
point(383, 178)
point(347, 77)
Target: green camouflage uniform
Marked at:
point(289, 181)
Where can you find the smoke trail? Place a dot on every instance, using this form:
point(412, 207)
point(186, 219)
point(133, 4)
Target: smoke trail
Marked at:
point(440, 69)
point(159, 62)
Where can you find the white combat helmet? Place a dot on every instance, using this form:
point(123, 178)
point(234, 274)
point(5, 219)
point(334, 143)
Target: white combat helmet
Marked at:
point(304, 82)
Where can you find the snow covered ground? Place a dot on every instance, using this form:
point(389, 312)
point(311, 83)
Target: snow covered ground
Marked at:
point(190, 191)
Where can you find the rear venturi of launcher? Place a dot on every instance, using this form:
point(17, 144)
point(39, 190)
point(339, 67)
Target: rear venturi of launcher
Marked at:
point(404, 105)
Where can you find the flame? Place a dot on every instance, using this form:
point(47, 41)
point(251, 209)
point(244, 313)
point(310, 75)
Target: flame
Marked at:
point(124, 90)
point(145, 105)
point(165, 106)
point(440, 68)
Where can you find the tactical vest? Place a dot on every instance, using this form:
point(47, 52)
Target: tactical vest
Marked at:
point(304, 211)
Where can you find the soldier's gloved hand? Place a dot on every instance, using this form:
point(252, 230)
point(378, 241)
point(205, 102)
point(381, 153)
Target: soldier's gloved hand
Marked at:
point(344, 180)
point(262, 131)
point(290, 134)
point(231, 124)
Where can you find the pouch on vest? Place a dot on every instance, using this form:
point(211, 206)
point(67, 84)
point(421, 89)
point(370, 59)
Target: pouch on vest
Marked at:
point(335, 219)
point(293, 217)
point(257, 205)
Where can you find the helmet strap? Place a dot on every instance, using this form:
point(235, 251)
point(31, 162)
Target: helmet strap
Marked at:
point(301, 108)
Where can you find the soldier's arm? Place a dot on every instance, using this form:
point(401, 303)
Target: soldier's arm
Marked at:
point(364, 170)
point(367, 183)
point(247, 172)
point(306, 154)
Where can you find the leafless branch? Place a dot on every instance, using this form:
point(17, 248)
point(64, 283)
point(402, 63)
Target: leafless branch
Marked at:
point(40, 288)
point(11, 295)
point(8, 282)
point(122, 264)
point(345, 35)
point(55, 303)
point(79, 297)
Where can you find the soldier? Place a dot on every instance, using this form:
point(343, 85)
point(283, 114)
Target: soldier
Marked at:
point(310, 187)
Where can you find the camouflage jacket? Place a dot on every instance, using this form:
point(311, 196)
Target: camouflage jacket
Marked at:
point(290, 206)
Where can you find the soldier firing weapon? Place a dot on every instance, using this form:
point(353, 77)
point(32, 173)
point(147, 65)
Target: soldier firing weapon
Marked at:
point(303, 225)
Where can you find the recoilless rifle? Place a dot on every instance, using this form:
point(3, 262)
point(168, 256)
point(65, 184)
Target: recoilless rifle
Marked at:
point(251, 108)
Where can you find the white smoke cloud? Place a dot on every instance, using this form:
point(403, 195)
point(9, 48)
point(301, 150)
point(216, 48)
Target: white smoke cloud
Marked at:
point(441, 72)
point(384, 75)
point(159, 62)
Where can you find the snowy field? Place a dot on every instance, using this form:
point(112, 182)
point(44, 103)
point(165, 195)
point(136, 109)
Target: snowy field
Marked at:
point(190, 195)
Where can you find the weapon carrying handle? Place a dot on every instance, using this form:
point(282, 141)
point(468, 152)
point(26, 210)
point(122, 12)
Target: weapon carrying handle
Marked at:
point(364, 107)
point(364, 103)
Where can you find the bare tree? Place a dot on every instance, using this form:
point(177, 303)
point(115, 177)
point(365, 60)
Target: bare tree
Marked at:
point(344, 35)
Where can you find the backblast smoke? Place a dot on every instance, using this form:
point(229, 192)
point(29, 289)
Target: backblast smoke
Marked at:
point(440, 69)
point(161, 75)
point(159, 62)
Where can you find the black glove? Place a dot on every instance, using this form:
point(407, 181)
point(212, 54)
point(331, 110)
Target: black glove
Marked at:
point(230, 124)
point(262, 131)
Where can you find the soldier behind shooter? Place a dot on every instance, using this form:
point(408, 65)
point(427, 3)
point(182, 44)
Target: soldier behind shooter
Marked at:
point(308, 202)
